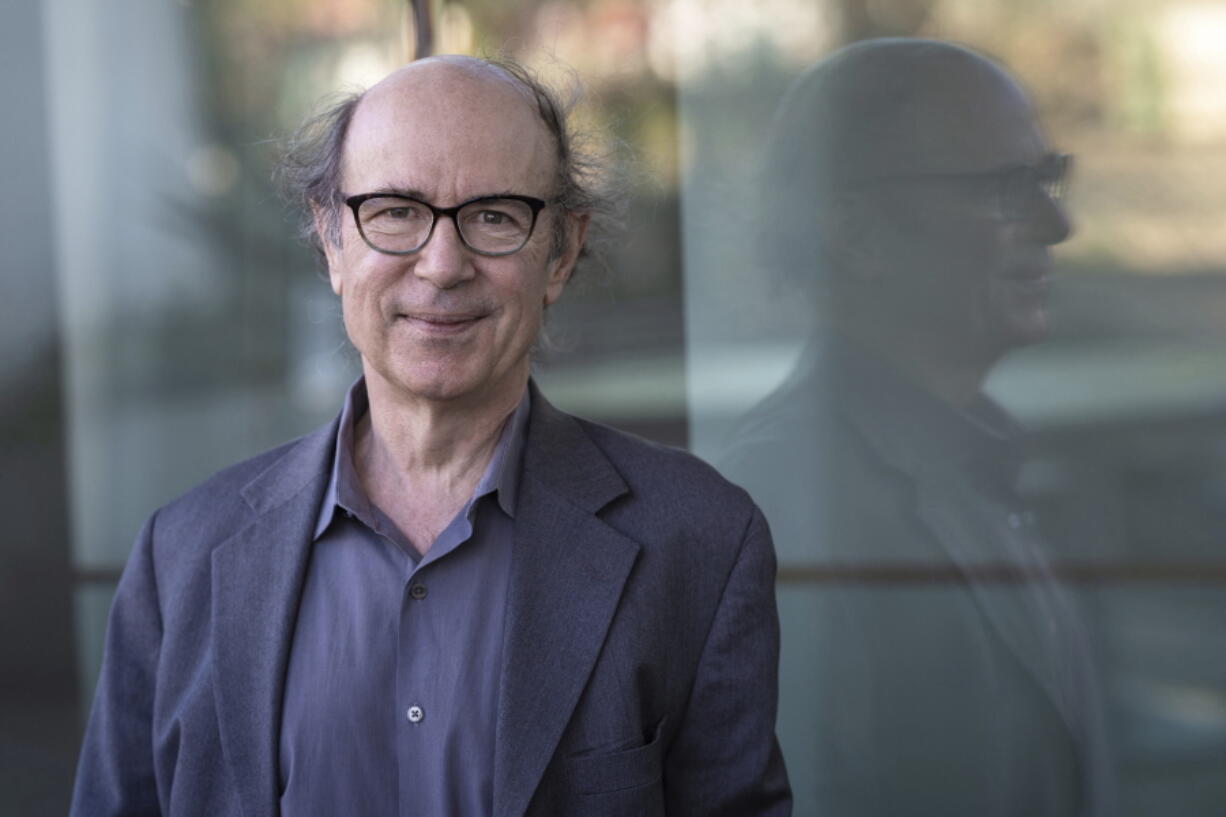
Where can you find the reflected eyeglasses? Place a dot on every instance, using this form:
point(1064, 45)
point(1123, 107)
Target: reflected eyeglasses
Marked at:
point(1015, 187)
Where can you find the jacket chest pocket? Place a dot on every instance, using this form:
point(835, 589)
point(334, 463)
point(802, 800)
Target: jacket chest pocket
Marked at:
point(622, 782)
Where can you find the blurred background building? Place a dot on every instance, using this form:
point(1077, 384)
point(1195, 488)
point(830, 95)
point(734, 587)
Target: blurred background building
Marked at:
point(161, 320)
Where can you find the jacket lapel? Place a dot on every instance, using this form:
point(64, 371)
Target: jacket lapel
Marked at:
point(974, 536)
point(568, 569)
point(973, 533)
point(258, 576)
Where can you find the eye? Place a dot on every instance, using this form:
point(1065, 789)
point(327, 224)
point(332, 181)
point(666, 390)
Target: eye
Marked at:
point(497, 216)
point(397, 213)
point(492, 217)
point(390, 210)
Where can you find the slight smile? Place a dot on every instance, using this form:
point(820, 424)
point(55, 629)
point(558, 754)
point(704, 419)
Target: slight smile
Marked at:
point(441, 324)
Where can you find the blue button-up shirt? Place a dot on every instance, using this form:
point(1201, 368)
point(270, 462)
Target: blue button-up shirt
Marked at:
point(391, 695)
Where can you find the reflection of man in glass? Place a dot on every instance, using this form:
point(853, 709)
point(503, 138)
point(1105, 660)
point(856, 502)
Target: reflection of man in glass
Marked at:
point(949, 671)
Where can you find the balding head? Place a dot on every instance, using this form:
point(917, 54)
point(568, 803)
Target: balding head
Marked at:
point(893, 106)
point(459, 113)
point(447, 191)
point(884, 181)
point(441, 95)
point(311, 167)
point(467, 78)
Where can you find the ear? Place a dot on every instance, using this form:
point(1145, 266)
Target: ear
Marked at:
point(320, 218)
point(855, 242)
point(561, 266)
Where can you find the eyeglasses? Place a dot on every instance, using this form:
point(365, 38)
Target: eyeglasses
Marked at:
point(488, 225)
point(1014, 188)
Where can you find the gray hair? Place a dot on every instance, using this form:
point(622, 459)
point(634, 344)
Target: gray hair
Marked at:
point(310, 168)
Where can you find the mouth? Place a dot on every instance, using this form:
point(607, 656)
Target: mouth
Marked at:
point(1030, 278)
point(441, 323)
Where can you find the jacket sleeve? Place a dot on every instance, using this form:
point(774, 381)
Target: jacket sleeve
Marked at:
point(115, 773)
point(725, 759)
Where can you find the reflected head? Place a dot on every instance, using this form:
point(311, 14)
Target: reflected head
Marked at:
point(933, 193)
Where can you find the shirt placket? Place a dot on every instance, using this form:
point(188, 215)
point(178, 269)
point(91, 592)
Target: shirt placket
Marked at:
point(425, 678)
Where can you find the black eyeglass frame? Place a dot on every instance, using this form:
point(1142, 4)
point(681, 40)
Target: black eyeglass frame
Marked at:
point(536, 205)
point(1049, 176)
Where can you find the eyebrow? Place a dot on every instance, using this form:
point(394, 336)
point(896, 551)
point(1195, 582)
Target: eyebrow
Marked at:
point(412, 193)
point(404, 192)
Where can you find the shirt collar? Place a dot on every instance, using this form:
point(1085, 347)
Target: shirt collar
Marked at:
point(344, 491)
point(502, 474)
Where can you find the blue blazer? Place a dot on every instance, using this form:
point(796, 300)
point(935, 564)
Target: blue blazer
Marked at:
point(641, 639)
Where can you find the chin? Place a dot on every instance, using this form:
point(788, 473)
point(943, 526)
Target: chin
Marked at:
point(437, 383)
point(447, 387)
point(1024, 330)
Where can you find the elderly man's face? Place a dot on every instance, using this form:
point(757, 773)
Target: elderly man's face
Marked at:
point(445, 323)
point(959, 266)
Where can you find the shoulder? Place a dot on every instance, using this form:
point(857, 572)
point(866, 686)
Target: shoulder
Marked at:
point(670, 485)
point(231, 498)
point(697, 533)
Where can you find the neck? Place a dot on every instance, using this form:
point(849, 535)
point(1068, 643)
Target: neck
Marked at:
point(952, 372)
point(442, 446)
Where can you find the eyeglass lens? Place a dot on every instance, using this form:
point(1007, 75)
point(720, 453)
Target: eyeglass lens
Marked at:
point(1020, 185)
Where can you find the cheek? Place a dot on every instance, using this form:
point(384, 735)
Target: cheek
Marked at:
point(358, 324)
point(946, 280)
point(528, 314)
point(967, 257)
point(362, 290)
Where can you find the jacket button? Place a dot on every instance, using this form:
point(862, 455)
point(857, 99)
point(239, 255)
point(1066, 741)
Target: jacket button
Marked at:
point(417, 591)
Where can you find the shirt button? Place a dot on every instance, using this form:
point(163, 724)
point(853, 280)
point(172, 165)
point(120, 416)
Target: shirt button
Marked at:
point(415, 714)
point(417, 591)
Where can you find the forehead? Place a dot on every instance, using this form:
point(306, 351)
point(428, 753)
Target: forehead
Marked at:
point(448, 132)
point(974, 119)
point(905, 109)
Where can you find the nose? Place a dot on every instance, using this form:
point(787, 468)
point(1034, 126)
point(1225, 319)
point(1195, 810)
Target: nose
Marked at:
point(444, 261)
point(1048, 222)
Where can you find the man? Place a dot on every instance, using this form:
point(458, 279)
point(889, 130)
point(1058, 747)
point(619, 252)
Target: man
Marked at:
point(455, 599)
point(948, 672)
